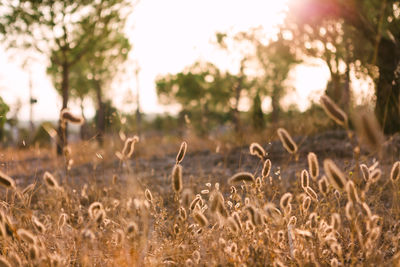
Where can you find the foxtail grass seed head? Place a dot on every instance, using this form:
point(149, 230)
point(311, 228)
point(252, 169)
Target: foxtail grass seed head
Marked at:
point(94, 208)
point(6, 181)
point(129, 146)
point(232, 224)
point(131, 229)
point(352, 192)
point(311, 193)
point(349, 210)
point(306, 204)
point(369, 130)
point(217, 200)
point(181, 153)
point(200, 218)
point(50, 181)
point(335, 175)
point(182, 213)
point(38, 225)
point(241, 177)
point(148, 195)
point(395, 172)
point(67, 116)
point(287, 141)
point(177, 184)
point(27, 236)
point(323, 185)
point(285, 201)
point(333, 111)
point(28, 189)
point(313, 165)
point(194, 202)
point(266, 168)
point(335, 221)
point(375, 175)
point(365, 172)
point(305, 180)
point(257, 150)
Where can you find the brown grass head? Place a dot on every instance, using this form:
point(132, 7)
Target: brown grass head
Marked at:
point(67, 116)
point(242, 177)
point(304, 179)
point(200, 218)
point(365, 172)
point(181, 153)
point(368, 130)
point(50, 181)
point(335, 175)
point(323, 185)
point(6, 181)
point(352, 192)
point(266, 168)
point(129, 146)
point(395, 172)
point(177, 184)
point(333, 111)
point(287, 141)
point(285, 201)
point(313, 165)
point(148, 195)
point(257, 150)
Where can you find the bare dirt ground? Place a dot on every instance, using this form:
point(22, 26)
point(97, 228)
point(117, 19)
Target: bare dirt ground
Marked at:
point(201, 166)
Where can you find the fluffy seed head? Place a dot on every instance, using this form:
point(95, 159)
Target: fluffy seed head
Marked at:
point(305, 181)
point(369, 130)
point(287, 141)
point(217, 200)
point(67, 116)
point(286, 199)
point(232, 224)
point(181, 153)
point(200, 218)
point(352, 192)
point(131, 229)
point(306, 203)
point(365, 172)
point(4, 262)
point(375, 175)
point(242, 177)
point(129, 146)
point(50, 181)
point(266, 168)
point(395, 173)
point(177, 178)
point(311, 193)
point(148, 195)
point(94, 208)
point(27, 236)
point(335, 176)
point(38, 225)
point(350, 213)
point(257, 150)
point(6, 181)
point(333, 111)
point(323, 185)
point(313, 165)
point(335, 221)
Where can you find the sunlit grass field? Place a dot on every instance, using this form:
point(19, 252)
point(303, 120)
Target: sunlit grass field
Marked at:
point(288, 201)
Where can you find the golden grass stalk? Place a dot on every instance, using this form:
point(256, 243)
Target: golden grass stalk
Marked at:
point(333, 111)
point(266, 168)
point(306, 204)
point(313, 165)
point(67, 116)
point(4, 262)
point(287, 141)
point(177, 184)
point(336, 221)
point(6, 181)
point(257, 150)
point(241, 177)
point(181, 153)
point(335, 175)
point(395, 172)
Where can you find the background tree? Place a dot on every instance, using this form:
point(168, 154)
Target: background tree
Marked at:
point(4, 109)
point(64, 30)
point(372, 30)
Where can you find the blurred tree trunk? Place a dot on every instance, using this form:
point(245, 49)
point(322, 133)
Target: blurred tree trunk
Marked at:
point(100, 113)
point(82, 130)
point(388, 86)
point(62, 131)
point(275, 97)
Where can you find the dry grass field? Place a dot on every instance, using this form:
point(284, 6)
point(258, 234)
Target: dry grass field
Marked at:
point(329, 199)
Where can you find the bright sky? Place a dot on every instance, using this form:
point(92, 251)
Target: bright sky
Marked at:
point(167, 36)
